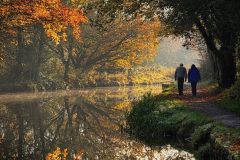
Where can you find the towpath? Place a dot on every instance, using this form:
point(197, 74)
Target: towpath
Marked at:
point(205, 102)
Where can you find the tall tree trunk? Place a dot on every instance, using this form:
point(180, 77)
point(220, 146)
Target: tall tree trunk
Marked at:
point(39, 53)
point(227, 68)
point(227, 62)
point(226, 59)
point(213, 63)
point(66, 70)
point(20, 47)
point(66, 62)
point(238, 57)
point(70, 52)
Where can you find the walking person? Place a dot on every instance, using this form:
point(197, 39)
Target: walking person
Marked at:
point(193, 78)
point(180, 76)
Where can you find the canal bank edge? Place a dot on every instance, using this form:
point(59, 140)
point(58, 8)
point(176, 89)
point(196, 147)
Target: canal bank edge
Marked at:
point(154, 118)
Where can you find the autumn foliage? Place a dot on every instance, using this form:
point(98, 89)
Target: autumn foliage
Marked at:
point(52, 15)
point(58, 154)
point(39, 42)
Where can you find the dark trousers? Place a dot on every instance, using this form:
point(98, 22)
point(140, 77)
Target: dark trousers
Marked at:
point(180, 85)
point(194, 88)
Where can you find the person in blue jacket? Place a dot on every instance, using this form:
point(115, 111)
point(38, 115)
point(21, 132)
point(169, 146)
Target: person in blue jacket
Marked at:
point(193, 78)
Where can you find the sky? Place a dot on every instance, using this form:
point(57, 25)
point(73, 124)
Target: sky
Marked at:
point(171, 53)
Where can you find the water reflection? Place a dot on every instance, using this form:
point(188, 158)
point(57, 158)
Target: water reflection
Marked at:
point(87, 123)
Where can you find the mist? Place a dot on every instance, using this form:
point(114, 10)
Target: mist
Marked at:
point(171, 53)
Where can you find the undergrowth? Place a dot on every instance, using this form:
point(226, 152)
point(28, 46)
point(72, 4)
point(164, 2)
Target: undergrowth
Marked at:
point(231, 98)
point(157, 120)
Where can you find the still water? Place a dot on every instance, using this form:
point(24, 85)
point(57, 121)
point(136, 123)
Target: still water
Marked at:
point(80, 124)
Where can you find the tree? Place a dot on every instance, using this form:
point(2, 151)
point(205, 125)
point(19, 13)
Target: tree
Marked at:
point(119, 42)
point(116, 44)
point(217, 21)
point(35, 35)
point(28, 22)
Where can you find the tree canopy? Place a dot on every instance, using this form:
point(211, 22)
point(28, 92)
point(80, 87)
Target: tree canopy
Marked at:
point(52, 15)
point(217, 21)
point(65, 39)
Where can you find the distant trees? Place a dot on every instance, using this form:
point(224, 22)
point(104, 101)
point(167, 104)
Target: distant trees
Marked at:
point(217, 21)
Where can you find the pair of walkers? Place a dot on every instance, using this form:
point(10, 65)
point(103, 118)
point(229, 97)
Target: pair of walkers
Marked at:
point(193, 77)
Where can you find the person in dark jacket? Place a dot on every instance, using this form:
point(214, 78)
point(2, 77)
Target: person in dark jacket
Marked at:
point(180, 75)
point(193, 78)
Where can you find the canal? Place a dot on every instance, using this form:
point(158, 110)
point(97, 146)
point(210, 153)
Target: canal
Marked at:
point(82, 124)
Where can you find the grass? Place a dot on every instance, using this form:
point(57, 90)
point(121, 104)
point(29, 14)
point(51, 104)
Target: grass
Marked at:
point(135, 76)
point(157, 120)
point(230, 104)
point(162, 117)
point(231, 98)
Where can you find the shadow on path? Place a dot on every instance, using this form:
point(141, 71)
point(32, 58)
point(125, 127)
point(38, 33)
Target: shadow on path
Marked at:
point(205, 103)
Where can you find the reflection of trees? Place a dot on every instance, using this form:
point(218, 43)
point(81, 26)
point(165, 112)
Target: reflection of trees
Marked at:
point(87, 125)
point(22, 133)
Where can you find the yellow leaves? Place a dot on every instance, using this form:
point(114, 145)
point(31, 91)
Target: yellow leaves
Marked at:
point(143, 46)
point(58, 154)
point(123, 63)
point(1, 60)
point(133, 42)
point(122, 106)
point(56, 31)
point(64, 37)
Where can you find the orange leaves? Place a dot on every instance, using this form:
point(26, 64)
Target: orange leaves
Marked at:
point(52, 3)
point(40, 11)
point(4, 11)
point(236, 146)
point(51, 14)
point(72, 18)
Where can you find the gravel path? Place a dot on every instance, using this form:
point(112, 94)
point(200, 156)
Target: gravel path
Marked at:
point(204, 103)
point(217, 114)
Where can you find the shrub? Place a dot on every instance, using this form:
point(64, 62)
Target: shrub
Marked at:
point(201, 135)
point(204, 152)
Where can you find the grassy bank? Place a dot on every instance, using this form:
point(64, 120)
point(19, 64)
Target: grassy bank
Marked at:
point(134, 76)
point(230, 104)
point(231, 99)
point(157, 120)
point(49, 80)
